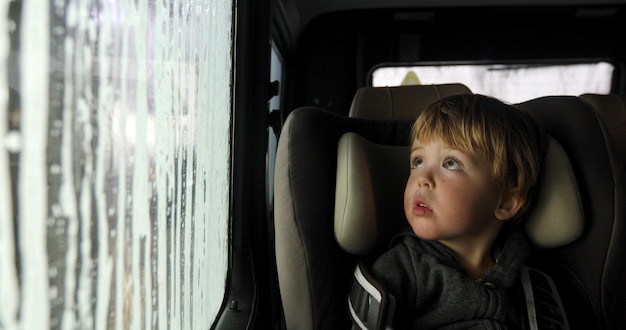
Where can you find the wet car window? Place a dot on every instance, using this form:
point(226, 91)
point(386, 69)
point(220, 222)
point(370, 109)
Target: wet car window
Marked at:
point(116, 130)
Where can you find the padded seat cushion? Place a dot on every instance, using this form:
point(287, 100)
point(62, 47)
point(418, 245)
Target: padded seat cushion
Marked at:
point(612, 110)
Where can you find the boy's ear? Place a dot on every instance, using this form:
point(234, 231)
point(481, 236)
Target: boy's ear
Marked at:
point(510, 204)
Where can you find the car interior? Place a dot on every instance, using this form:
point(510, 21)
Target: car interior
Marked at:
point(240, 164)
point(334, 200)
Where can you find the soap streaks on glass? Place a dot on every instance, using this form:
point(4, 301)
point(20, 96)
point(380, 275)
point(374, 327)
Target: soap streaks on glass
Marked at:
point(114, 163)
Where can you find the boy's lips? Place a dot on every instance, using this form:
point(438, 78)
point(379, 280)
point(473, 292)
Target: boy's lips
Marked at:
point(421, 208)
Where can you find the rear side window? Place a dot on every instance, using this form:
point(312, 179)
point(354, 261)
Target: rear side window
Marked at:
point(509, 82)
point(115, 125)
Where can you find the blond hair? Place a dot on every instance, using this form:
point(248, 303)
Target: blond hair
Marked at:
point(507, 136)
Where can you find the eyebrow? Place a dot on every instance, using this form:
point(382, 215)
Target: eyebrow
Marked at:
point(466, 153)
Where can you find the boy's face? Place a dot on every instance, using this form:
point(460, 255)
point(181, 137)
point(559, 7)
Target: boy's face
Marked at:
point(450, 194)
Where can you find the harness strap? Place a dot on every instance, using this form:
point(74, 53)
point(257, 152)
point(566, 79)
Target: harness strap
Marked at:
point(371, 307)
point(544, 309)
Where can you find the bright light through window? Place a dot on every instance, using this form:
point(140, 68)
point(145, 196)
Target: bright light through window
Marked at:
point(511, 83)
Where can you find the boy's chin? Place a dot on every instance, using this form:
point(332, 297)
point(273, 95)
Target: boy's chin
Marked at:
point(424, 232)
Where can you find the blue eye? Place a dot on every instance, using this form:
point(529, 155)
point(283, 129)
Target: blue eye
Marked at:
point(452, 164)
point(416, 162)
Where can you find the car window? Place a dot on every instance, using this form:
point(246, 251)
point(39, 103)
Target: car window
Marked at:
point(115, 127)
point(276, 75)
point(509, 82)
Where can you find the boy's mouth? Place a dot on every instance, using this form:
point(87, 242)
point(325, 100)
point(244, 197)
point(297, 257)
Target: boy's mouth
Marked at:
point(421, 205)
point(420, 208)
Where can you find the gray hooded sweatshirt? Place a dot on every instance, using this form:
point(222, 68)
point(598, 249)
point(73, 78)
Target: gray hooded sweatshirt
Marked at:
point(432, 291)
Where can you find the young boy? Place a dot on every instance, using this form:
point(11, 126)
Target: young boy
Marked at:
point(474, 163)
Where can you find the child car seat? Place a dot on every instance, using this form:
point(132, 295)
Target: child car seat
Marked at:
point(315, 271)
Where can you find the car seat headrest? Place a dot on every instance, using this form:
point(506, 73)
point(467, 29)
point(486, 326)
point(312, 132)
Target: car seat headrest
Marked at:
point(369, 192)
point(370, 189)
point(557, 218)
point(400, 102)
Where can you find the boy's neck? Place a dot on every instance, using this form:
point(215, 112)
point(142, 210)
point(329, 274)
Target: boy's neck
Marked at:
point(476, 258)
point(476, 269)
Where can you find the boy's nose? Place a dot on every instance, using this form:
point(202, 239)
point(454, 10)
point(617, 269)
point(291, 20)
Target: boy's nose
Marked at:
point(425, 179)
point(426, 184)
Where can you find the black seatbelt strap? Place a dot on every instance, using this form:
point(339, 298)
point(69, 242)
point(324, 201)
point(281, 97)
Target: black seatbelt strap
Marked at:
point(371, 307)
point(544, 309)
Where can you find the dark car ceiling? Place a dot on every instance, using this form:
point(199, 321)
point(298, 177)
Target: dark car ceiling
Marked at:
point(297, 14)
